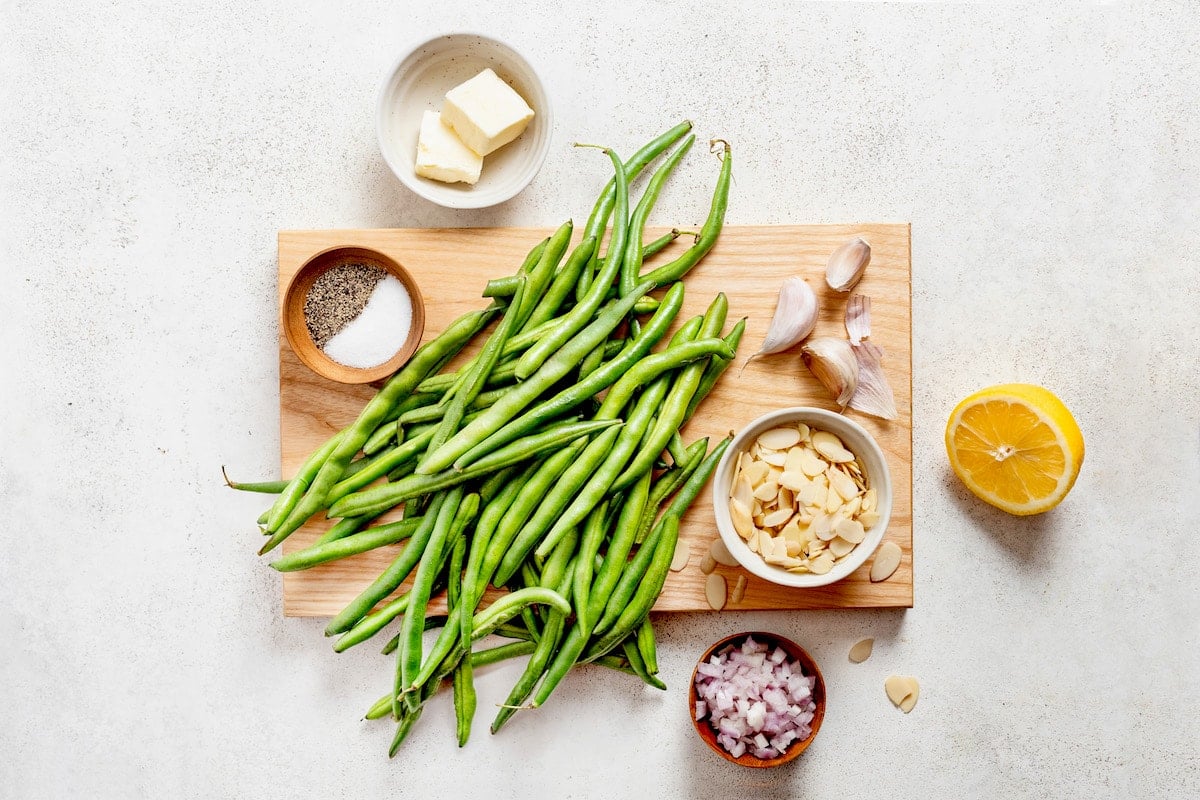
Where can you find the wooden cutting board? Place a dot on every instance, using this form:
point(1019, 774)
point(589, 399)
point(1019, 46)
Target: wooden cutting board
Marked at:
point(749, 264)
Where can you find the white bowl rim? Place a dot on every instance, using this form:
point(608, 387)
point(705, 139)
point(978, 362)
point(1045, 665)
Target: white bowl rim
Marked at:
point(834, 423)
point(461, 200)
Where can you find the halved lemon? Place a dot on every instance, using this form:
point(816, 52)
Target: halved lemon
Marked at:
point(1015, 446)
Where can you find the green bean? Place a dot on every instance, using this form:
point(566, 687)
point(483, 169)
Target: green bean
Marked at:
point(627, 586)
point(345, 527)
point(354, 544)
point(675, 447)
point(670, 481)
point(533, 670)
point(431, 622)
point(489, 519)
point(386, 433)
point(523, 394)
point(551, 506)
point(658, 245)
point(404, 727)
point(674, 270)
point(464, 700)
point(581, 580)
point(388, 495)
point(381, 708)
point(522, 507)
point(493, 484)
point(502, 652)
point(631, 262)
point(568, 653)
point(531, 260)
point(716, 367)
point(675, 407)
point(616, 558)
point(392, 577)
point(654, 365)
point(454, 575)
point(564, 282)
point(592, 361)
point(576, 320)
point(474, 378)
point(603, 377)
point(371, 624)
point(600, 475)
point(437, 413)
point(508, 606)
point(639, 667)
point(262, 487)
point(646, 646)
point(454, 510)
point(289, 497)
point(630, 612)
point(399, 386)
point(598, 220)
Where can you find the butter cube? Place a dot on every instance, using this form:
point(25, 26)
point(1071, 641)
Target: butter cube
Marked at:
point(485, 112)
point(442, 156)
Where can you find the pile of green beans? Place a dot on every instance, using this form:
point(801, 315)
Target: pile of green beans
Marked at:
point(550, 464)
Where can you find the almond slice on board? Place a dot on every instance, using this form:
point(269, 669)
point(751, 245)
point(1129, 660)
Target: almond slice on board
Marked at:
point(739, 590)
point(887, 559)
point(681, 558)
point(714, 591)
point(720, 553)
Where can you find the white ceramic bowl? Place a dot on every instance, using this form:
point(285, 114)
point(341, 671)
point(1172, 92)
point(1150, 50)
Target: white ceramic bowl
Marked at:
point(419, 82)
point(870, 458)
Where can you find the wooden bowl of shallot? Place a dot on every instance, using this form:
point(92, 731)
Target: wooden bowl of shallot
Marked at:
point(757, 699)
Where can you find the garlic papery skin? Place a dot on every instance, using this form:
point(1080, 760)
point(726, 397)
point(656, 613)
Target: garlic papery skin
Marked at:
point(874, 394)
point(847, 264)
point(831, 360)
point(795, 317)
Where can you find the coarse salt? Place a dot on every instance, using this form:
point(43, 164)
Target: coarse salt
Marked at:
point(377, 333)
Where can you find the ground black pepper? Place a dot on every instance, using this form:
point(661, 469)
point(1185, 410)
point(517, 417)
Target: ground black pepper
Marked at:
point(337, 296)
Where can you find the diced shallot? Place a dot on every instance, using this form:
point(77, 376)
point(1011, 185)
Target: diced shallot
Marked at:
point(755, 698)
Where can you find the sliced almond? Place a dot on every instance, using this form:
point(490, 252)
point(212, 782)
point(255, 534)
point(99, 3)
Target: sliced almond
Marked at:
point(793, 480)
point(739, 590)
point(776, 458)
point(680, 559)
point(821, 564)
point(811, 495)
point(743, 492)
point(766, 491)
point(852, 506)
point(739, 515)
point(714, 591)
point(779, 438)
point(708, 564)
point(805, 432)
point(830, 447)
point(833, 501)
point(840, 547)
point(841, 483)
point(868, 518)
point(795, 457)
point(869, 500)
point(861, 650)
point(822, 527)
point(786, 498)
point(721, 554)
point(777, 518)
point(849, 529)
point(811, 464)
point(766, 543)
point(903, 691)
point(756, 472)
point(887, 559)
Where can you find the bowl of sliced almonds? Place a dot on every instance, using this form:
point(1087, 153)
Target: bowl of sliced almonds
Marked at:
point(802, 497)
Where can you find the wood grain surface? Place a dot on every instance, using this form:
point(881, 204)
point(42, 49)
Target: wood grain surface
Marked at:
point(748, 264)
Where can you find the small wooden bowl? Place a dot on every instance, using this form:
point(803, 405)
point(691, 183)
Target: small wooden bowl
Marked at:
point(797, 654)
point(296, 330)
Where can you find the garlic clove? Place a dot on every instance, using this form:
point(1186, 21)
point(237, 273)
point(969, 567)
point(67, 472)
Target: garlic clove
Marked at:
point(832, 361)
point(795, 317)
point(847, 264)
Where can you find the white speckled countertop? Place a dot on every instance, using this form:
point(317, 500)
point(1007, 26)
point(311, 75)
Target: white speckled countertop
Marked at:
point(1048, 157)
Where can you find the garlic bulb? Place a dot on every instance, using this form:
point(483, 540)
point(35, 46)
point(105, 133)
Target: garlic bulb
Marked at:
point(795, 317)
point(846, 265)
point(831, 359)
